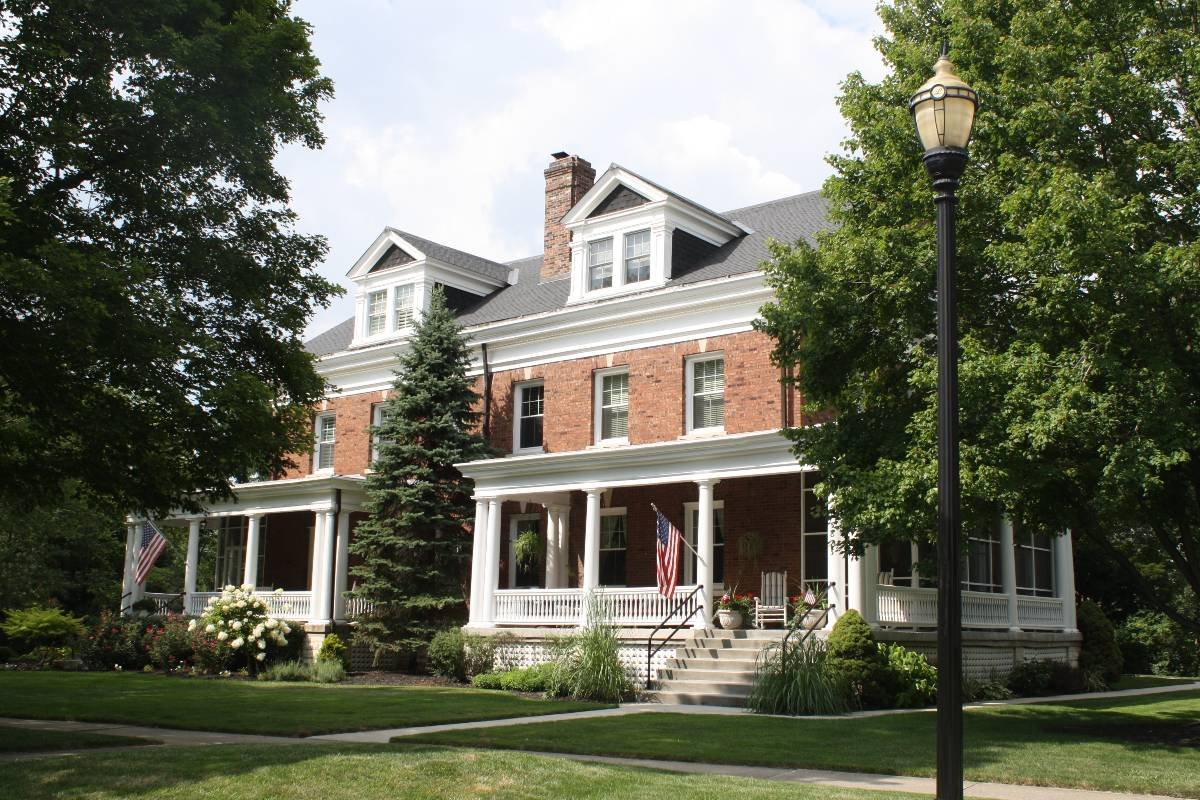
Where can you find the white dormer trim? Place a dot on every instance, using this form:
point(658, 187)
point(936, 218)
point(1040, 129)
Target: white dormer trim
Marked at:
point(662, 215)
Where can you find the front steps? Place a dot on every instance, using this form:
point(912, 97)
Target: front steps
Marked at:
point(714, 667)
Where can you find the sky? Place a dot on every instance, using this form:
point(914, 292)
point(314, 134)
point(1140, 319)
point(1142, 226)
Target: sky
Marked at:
point(445, 113)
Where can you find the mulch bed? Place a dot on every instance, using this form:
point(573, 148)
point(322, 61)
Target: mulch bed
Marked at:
point(385, 678)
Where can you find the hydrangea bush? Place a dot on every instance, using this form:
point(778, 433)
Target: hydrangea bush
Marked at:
point(241, 625)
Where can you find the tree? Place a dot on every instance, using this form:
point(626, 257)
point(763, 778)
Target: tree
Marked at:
point(152, 287)
point(414, 547)
point(1079, 290)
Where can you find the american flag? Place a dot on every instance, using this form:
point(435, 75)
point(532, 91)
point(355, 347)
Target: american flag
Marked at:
point(810, 599)
point(153, 543)
point(667, 555)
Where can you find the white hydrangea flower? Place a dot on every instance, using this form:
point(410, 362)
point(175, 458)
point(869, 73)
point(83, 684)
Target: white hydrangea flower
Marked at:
point(191, 624)
point(247, 587)
point(236, 643)
point(210, 628)
point(278, 592)
point(262, 645)
point(261, 656)
point(259, 628)
point(236, 624)
point(272, 623)
point(222, 636)
point(241, 603)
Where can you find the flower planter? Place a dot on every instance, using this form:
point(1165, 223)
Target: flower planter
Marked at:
point(729, 618)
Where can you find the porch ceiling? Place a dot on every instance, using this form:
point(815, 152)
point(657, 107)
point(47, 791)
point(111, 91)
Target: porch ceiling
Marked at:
point(686, 459)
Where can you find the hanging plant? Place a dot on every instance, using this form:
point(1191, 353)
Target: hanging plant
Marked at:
point(528, 549)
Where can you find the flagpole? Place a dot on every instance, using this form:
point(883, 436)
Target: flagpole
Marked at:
point(686, 543)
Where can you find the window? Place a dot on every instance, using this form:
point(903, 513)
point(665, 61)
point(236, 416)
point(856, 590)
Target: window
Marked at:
point(612, 547)
point(523, 575)
point(531, 405)
point(691, 516)
point(379, 415)
point(403, 305)
point(326, 434)
point(612, 405)
point(600, 263)
point(376, 312)
point(637, 257)
point(706, 391)
point(1035, 565)
point(814, 531)
point(981, 572)
point(230, 567)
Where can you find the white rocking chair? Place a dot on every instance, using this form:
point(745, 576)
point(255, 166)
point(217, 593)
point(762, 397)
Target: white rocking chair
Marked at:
point(772, 603)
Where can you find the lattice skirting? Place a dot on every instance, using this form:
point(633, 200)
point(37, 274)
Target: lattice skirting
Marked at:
point(633, 657)
point(986, 663)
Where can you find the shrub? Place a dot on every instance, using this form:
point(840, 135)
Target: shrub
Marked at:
point(1099, 654)
point(913, 678)
point(527, 679)
point(113, 642)
point(1150, 641)
point(39, 626)
point(170, 644)
point(975, 691)
point(6, 654)
point(487, 680)
point(853, 655)
point(797, 680)
point(1034, 677)
point(289, 671)
point(244, 633)
point(334, 649)
point(447, 654)
point(484, 654)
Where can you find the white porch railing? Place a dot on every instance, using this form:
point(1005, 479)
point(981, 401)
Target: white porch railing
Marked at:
point(640, 606)
point(904, 605)
point(163, 601)
point(285, 605)
point(357, 605)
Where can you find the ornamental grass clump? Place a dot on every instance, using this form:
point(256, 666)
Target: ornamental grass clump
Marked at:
point(239, 622)
point(796, 679)
point(587, 666)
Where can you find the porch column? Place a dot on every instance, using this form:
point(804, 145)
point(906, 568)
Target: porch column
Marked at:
point(478, 559)
point(1008, 572)
point(127, 585)
point(704, 549)
point(192, 563)
point(552, 551)
point(564, 546)
point(835, 565)
point(856, 579)
point(138, 587)
point(870, 589)
point(319, 570)
point(253, 529)
point(591, 542)
point(341, 568)
point(1064, 578)
point(491, 574)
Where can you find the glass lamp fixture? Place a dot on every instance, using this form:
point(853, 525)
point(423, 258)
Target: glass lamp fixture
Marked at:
point(944, 108)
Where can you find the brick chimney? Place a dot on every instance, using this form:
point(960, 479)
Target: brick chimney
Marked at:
point(567, 179)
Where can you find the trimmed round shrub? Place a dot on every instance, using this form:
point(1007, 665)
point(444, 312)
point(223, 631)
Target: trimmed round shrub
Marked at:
point(487, 680)
point(1099, 656)
point(447, 656)
point(854, 656)
point(334, 649)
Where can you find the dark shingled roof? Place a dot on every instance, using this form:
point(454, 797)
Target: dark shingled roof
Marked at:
point(790, 219)
point(458, 258)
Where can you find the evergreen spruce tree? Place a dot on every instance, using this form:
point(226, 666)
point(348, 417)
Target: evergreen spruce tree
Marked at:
point(414, 548)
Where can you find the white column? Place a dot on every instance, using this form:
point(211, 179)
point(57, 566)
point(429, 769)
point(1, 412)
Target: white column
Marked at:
point(870, 587)
point(327, 566)
point(491, 568)
point(564, 546)
point(341, 570)
point(704, 550)
point(1064, 578)
point(478, 558)
point(856, 579)
point(192, 563)
point(253, 531)
point(318, 568)
point(835, 568)
point(552, 550)
point(127, 585)
point(138, 588)
point(591, 541)
point(1008, 572)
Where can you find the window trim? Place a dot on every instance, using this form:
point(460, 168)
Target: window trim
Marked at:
point(598, 406)
point(369, 317)
point(318, 426)
point(619, 511)
point(1027, 543)
point(411, 319)
point(689, 535)
point(518, 395)
point(612, 263)
point(689, 392)
point(625, 257)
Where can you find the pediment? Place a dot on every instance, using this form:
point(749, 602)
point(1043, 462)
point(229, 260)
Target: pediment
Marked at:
point(387, 251)
point(619, 199)
point(394, 256)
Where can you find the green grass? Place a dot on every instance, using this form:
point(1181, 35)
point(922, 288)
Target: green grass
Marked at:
point(364, 772)
point(1140, 744)
point(1147, 681)
point(24, 740)
point(253, 706)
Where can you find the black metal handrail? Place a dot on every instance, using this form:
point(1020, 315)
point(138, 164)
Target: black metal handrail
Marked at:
point(808, 629)
point(121, 603)
point(674, 630)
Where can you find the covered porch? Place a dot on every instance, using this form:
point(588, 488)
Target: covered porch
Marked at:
point(288, 538)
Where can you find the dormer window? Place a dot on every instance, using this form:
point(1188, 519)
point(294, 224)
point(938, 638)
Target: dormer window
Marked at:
point(637, 256)
point(600, 264)
point(404, 306)
point(376, 312)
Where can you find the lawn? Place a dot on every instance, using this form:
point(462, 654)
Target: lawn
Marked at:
point(24, 740)
point(366, 772)
point(1146, 681)
point(286, 709)
point(1141, 744)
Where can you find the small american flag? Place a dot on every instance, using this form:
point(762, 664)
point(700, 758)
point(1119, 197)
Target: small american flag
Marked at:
point(153, 543)
point(810, 599)
point(667, 555)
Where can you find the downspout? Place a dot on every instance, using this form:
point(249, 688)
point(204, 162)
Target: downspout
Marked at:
point(487, 394)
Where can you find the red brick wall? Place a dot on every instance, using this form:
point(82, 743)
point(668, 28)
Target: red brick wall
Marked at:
point(352, 447)
point(287, 548)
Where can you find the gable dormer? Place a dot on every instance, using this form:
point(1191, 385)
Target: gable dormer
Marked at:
point(622, 231)
point(394, 280)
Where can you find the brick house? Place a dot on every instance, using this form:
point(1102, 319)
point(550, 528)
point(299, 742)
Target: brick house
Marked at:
point(617, 369)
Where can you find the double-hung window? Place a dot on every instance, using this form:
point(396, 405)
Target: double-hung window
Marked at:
point(613, 541)
point(706, 393)
point(814, 530)
point(982, 564)
point(1035, 565)
point(376, 312)
point(612, 406)
point(379, 415)
point(600, 263)
point(637, 257)
point(326, 437)
point(402, 304)
point(531, 410)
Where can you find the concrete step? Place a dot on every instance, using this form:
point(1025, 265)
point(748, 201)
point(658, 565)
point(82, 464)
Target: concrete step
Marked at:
point(743, 634)
point(723, 653)
point(714, 675)
point(730, 644)
point(723, 687)
point(671, 697)
point(719, 664)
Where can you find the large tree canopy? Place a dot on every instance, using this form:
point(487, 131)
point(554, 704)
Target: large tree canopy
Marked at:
point(152, 287)
point(1079, 285)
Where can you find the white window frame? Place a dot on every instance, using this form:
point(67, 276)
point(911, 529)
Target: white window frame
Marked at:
point(376, 420)
point(1027, 543)
point(598, 406)
point(318, 441)
point(518, 397)
point(689, 391)
point(807, 481)
point(626, 258)
point(691, 515)
point(612, 263)
point(514, 522)
point(372, 316)
point(409, 317)
point(613, 512)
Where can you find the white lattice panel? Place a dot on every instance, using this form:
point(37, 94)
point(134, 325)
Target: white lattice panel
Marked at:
point(985, 663)
point(633, 657)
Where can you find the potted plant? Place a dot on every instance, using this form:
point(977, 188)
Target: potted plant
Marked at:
point(733, 609)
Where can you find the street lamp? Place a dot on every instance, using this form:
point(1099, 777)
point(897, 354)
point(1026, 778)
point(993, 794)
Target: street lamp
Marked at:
point(944, 110)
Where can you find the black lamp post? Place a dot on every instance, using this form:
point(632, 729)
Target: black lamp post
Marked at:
point(944, 110)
